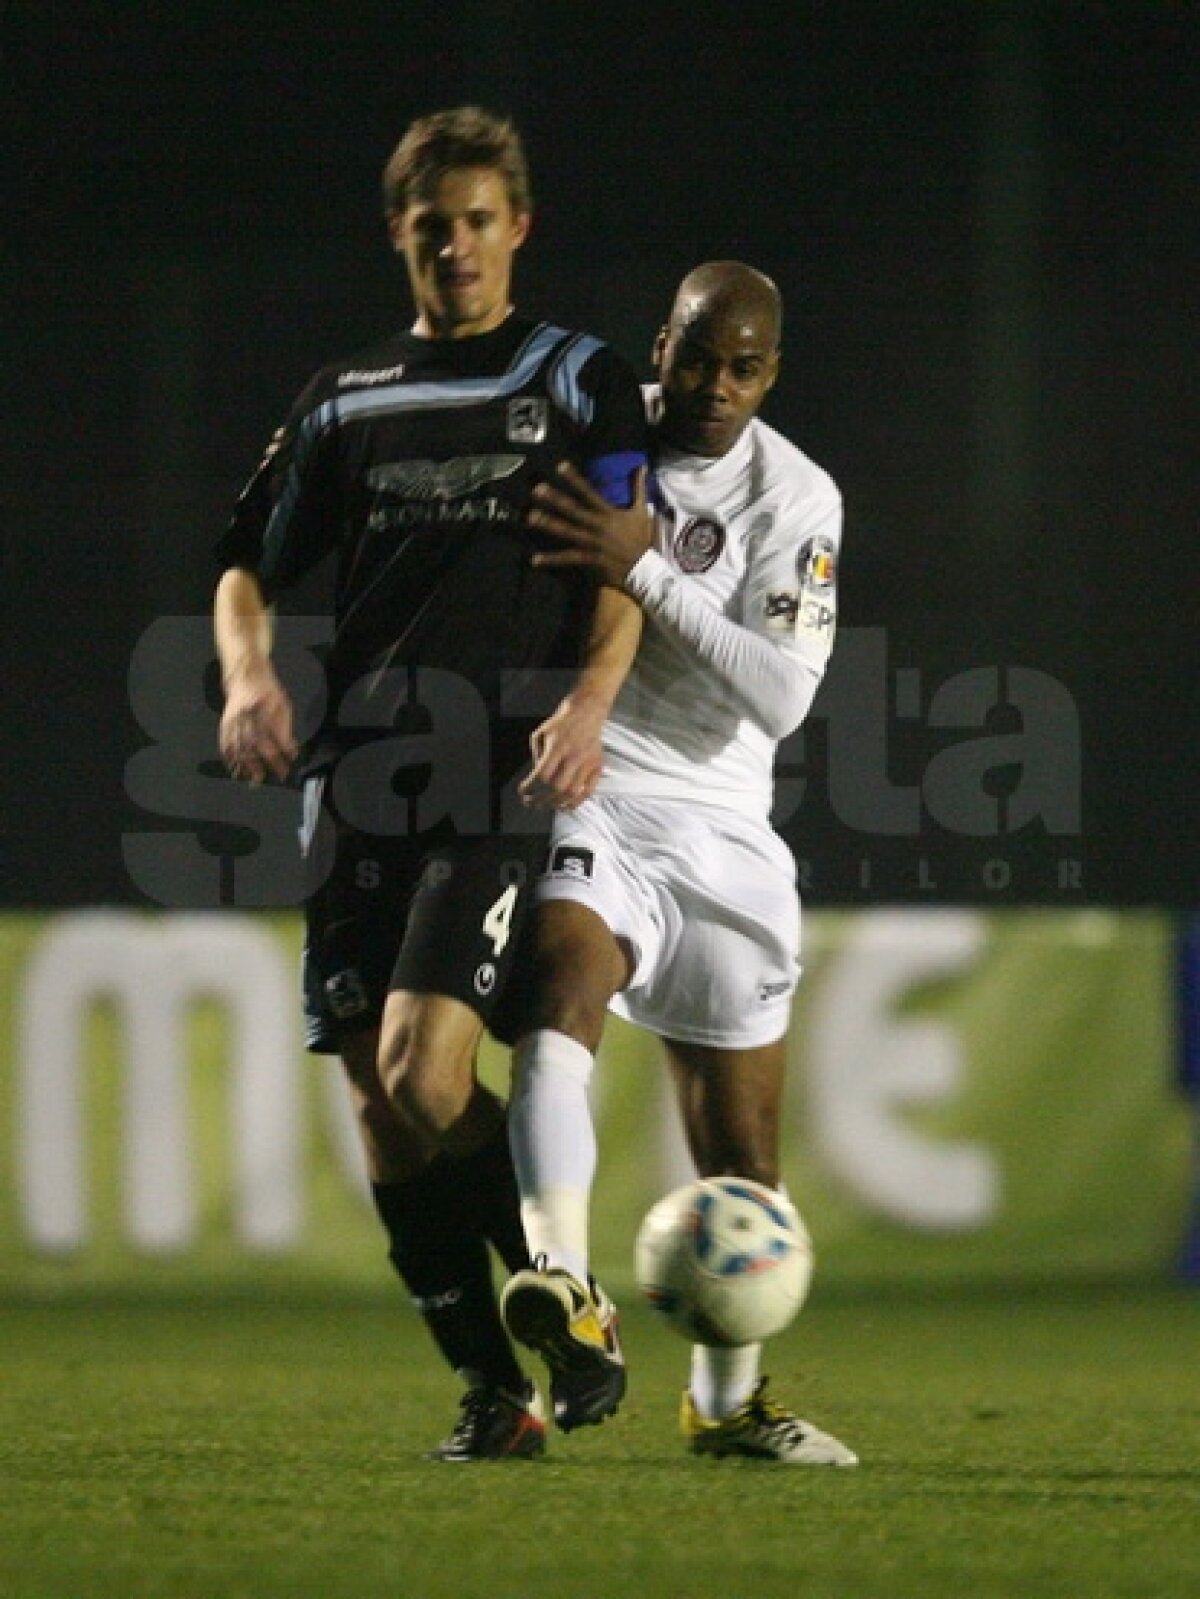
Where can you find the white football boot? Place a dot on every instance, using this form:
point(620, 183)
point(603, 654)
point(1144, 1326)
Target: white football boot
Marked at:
point(762, 1430)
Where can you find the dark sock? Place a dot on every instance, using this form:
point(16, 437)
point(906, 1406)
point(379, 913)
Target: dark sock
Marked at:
point(443, 1260)
point(489, 1184)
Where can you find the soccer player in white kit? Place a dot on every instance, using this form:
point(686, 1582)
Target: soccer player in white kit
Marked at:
point(668, 897)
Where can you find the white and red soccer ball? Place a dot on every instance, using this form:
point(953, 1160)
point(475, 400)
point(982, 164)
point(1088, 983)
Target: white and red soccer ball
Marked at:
point(724, 1260)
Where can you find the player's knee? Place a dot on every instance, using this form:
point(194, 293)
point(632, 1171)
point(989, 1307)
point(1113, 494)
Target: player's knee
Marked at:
point(571, 1008)
point(422, 1086)
point(422, 1097)
point(577, 967)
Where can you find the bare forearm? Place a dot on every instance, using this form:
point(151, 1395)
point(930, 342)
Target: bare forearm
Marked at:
point(256, 725)
point(241, 625)
point(567, 752)
point(616, 633)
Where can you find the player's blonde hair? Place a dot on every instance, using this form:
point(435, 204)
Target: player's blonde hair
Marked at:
point(445, 141)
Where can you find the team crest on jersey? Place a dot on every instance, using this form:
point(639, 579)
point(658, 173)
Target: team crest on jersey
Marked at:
point(528, 416)
point(698, 544)
point(442, 480)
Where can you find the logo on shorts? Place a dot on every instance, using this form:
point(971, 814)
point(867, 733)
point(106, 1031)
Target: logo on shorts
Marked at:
point(346, 994)
point(698, 544)
point(527, 419)
point(572, 860)
point(485, 979)
point(767, 991)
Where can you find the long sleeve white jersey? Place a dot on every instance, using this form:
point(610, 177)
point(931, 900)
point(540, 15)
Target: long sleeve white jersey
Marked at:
point(739, 596)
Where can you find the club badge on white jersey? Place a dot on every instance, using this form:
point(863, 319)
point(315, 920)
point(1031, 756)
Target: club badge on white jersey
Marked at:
point(697, 545)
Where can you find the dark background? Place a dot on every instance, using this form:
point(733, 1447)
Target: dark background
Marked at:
point(982, 217)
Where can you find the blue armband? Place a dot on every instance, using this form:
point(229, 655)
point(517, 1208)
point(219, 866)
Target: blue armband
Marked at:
point(612, 475)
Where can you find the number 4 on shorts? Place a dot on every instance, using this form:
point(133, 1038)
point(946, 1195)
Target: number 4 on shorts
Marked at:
point(497, 924)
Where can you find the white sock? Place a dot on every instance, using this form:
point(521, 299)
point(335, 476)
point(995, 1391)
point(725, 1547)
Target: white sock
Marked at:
point(723, 1379)
point(553, 1146)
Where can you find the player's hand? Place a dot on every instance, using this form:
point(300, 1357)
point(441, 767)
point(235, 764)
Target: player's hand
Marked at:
point(567, 756)
point(256, 734)
point(593, 533)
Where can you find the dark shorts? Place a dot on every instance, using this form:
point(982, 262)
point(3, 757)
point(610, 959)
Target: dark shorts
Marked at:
point(427, 914)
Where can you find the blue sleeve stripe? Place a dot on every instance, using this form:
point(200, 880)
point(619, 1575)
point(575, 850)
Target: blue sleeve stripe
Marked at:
point(565, 389)
point(612, 475)
point(451, 393)
point(314, 425)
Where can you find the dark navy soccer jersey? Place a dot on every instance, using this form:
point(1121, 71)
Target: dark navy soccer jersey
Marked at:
point(413, 463)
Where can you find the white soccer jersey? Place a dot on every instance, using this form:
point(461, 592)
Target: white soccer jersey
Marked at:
point(755, 534)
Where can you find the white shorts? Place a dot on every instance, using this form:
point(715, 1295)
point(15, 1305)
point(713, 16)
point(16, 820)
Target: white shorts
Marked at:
point(706, 899)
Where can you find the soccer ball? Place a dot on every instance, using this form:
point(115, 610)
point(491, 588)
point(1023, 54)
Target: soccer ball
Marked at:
point(724, 1260)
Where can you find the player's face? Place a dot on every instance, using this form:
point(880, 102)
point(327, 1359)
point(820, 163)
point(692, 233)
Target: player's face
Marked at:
point(715, 368)
point(458, 243)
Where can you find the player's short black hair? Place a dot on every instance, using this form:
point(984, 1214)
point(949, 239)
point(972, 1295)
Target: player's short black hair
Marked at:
point(444, 141)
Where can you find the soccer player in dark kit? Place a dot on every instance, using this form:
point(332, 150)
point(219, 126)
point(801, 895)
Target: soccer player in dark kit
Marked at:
point(413, 465)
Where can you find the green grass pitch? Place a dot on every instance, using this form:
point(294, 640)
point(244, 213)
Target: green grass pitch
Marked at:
point(1036, 1444)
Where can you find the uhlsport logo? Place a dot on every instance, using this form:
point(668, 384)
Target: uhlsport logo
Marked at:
point(357, 378)
point(485, 978)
